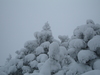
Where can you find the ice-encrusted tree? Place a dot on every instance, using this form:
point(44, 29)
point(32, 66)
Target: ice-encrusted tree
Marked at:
point(48, 56)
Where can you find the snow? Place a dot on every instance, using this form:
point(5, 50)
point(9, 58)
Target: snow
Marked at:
point(29, 57)
point(73, 52)
point(40, 65)
point(62, 53)
point(77, 43)
point(65, 44)
point(77, 69)
point(61, 72)
point(94, 43)
point(93, 72)
point(47, 56)
point(96, 65)
point(31, 45)
point(88, 34)
point(33, 64)
point(54, 65)
point(54, 50)
point(42, 58)
point(26, 74)
point(86, 55)
point(63, 38)
point(12, 69)
point(3, 73)
point(39, 50)
point(26, 69)
point(20, 64)
point(45, 68)
point(46, 26)
point(45, 44)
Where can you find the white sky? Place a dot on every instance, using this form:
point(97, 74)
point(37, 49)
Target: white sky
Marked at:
point(21, 18)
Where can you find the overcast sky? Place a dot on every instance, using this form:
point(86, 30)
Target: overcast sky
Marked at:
point(21, 18)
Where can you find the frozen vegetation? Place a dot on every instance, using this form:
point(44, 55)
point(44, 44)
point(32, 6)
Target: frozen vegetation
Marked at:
point(78, 55)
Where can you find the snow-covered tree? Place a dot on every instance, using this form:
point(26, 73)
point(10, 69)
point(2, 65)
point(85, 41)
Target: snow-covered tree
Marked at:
point(48, 56)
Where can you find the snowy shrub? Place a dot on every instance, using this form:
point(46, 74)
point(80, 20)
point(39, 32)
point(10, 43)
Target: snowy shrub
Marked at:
point(54, 65)
point(33, 64)
point(61, 72)
point(73, 52)
point(77, 43)
point(86, 55)
point(65, 44)
point(54, 50)
point(45, 45)
point(26, 74)
point(96, 65)
point(12, 69)
point(93, 72)
point(40, 65)
point(63, 38)
point(77, 69)
point(46, 70)
point(62, 53)
point(94, 43)
point(44, 35)
point(98, 32)
point(42, 58)
point(26, 69)
point(39, 50)
point(88, 34)
point(29, 57)
point(31, 45)
point(20, 64)
point(3, 73)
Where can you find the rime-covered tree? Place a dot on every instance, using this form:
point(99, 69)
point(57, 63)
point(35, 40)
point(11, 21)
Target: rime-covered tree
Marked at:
point(47, 56)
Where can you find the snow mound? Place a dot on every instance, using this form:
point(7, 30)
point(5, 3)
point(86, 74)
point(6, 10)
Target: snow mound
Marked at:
point(77, 43)
point(93, 72)
point(96, 65)
point(33, 64)
point(73, 52)
point(63, 52)
point(3, 73)
point(45, 70)
point(29, 57)
point(42, 58)
point(77, 69)
point(12, 69)
point(86, 55)
point(94, 43)
point(54, 50)
point(39, 50)
point(45, 44)
point(63, 38)
point(61, 72)
point(88, 34)
point(26, 69)
point(31, 45)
